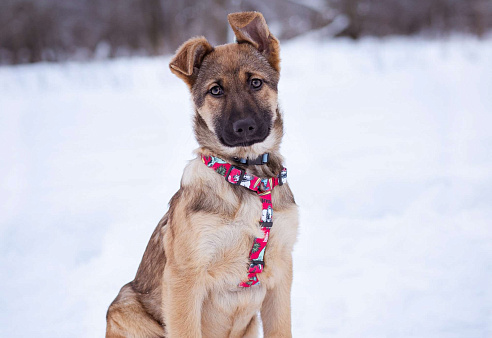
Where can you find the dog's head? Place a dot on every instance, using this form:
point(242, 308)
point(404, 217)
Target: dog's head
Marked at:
point(234, 88)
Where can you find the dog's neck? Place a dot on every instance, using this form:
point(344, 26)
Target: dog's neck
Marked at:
point(270, 169)
point(211, 146)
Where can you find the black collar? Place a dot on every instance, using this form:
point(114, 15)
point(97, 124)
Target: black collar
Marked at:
point(260, 160)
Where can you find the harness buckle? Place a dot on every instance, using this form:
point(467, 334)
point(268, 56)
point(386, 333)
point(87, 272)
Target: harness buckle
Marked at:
point(234, 175)
point(282, 177)
point(256, 266)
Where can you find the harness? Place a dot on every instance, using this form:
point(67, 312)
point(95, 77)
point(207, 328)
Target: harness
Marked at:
point(263, 187)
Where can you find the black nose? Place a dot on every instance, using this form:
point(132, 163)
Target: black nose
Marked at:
point(244, 127)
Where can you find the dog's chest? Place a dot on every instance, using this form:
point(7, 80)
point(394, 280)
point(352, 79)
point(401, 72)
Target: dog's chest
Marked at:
point(228, 243)
point(227, 301)
point(227, 240)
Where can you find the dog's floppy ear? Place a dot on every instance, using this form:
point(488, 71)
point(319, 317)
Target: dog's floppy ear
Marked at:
point(251, 27)
point(188, 58)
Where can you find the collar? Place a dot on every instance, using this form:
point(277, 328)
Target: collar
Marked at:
point(238, 176)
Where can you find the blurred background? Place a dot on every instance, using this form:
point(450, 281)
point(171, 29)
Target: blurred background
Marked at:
point(52, 30)
point(387, 107)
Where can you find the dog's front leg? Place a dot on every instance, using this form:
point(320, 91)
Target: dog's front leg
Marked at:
point(275, 310)
point(182, 303)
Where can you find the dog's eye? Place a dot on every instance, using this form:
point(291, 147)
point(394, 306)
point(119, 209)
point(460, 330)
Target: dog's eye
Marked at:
point(216, 91)
point(256, 83)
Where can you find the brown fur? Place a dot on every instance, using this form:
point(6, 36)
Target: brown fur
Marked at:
point(187, 282)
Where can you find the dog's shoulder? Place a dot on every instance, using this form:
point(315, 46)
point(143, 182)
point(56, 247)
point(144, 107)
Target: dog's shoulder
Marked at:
point(203, 190)
point(197, 174)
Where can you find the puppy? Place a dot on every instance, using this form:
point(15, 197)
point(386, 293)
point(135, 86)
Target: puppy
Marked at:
point(222, 254)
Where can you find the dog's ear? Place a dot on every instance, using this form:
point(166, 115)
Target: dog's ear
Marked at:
point(251, 27)
point(188, 59)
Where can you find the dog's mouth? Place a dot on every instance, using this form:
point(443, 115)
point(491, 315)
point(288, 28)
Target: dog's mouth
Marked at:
point(229, 141)
point(241, 143)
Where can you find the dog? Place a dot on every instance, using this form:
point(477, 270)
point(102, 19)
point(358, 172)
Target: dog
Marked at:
point(199, 276)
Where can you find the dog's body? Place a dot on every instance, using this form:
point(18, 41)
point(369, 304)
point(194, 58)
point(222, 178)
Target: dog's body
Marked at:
point(187, 284)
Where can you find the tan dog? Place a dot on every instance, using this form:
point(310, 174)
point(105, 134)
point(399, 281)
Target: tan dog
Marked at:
point(187, 282)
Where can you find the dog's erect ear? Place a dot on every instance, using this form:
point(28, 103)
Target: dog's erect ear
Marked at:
point(188, 58)
point(251, 27)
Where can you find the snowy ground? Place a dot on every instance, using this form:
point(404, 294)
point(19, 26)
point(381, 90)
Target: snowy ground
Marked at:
point(388, 145)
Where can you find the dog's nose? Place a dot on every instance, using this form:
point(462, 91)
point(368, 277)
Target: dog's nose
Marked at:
point(244, 127)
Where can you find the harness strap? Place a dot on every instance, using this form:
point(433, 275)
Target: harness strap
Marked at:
point(263, 187)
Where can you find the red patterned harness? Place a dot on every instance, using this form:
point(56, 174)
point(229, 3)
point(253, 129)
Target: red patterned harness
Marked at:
point(263, 187)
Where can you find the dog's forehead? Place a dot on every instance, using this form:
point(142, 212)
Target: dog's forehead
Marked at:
point(233, 59)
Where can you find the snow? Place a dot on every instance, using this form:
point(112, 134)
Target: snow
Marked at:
point(388, 147)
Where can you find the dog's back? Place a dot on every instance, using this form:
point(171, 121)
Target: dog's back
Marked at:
point(137, 310)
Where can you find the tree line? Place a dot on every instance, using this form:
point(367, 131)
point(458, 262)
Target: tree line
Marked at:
point(54, 30)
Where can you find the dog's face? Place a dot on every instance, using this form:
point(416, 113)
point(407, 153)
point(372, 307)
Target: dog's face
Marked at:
point(234, 88)
point(236, 94)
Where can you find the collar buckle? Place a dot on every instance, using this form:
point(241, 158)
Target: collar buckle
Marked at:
point(260, 160)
